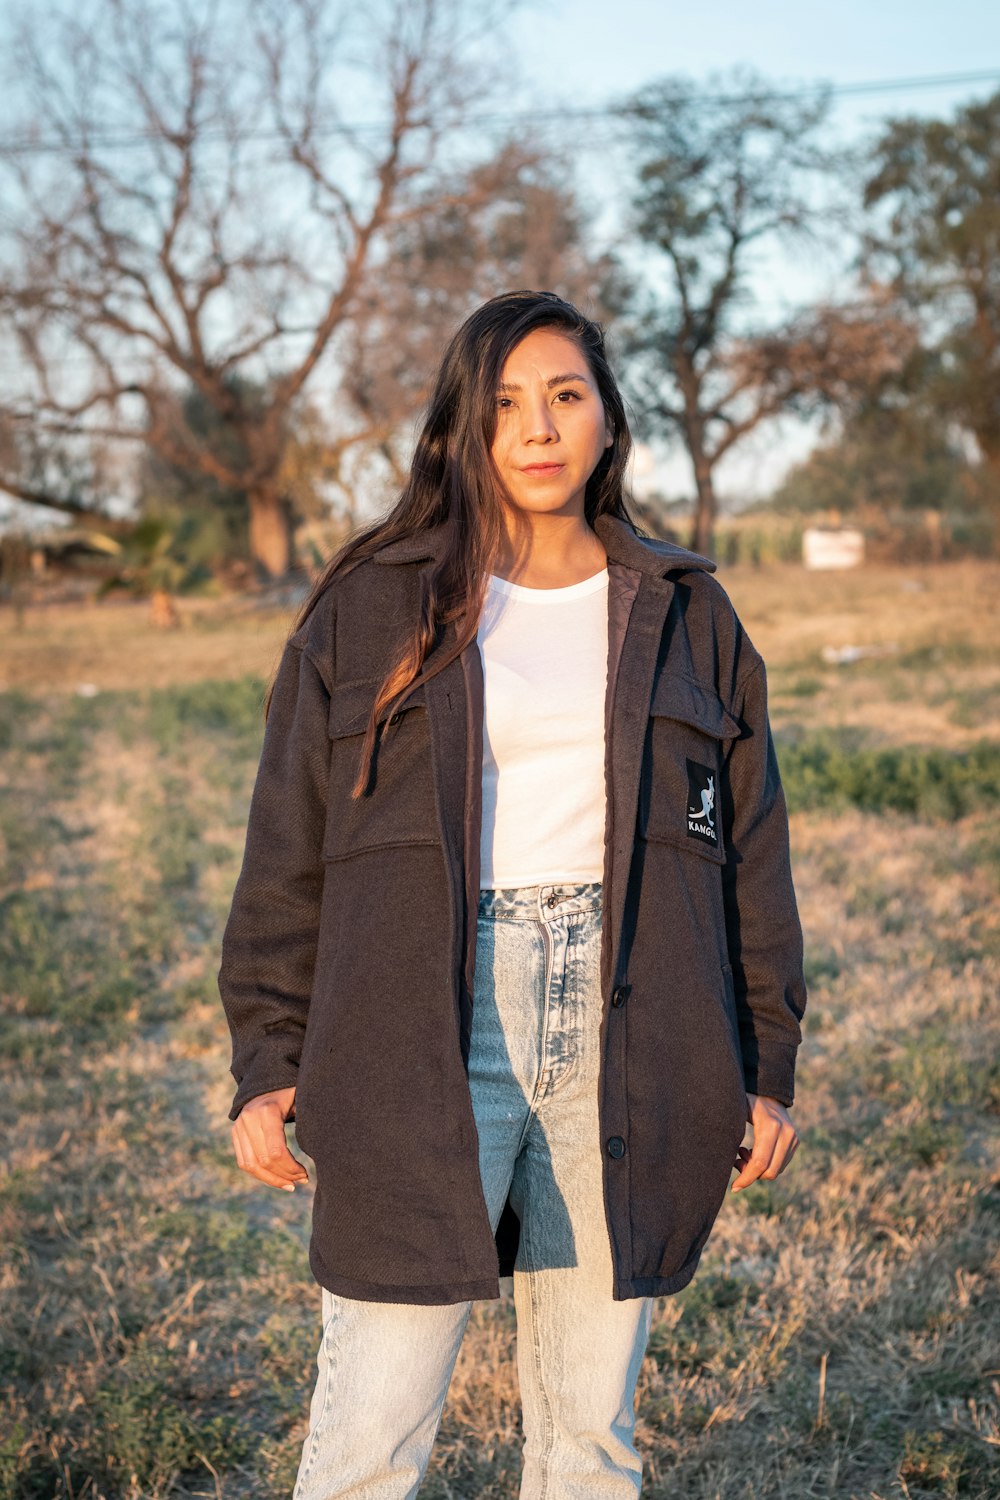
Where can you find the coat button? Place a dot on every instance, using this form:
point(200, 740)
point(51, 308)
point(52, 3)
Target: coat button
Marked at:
point(618, 994)
point(616, 1146)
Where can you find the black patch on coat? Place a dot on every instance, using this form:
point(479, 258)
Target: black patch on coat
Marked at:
point(702, 803)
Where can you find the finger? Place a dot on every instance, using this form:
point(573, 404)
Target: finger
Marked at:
point(266, 1132)
point(760, 1158)
point(789, 1153)
point(782, 1150)
point(241, 1144)
point(271, 1178)
point(246, 1158)
point(249, 1164)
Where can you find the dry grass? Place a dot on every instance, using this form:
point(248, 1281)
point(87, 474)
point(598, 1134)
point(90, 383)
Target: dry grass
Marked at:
point(939, 686)
point(158, 1321)
point(58, 647)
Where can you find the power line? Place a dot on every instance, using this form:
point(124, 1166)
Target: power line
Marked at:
point(888, 85)
point(26, 146)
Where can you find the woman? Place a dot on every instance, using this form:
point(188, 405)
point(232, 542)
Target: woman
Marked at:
point(515, 941)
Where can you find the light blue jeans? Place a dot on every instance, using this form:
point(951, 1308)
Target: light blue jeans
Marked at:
point(385, 1368)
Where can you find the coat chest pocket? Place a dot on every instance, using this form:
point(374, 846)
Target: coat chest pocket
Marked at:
point(397, 806)
point(679, 795)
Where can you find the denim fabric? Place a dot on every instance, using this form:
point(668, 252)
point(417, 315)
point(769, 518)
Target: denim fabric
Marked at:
point(385, 1368)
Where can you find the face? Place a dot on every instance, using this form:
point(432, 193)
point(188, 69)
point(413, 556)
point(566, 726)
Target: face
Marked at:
point(549, 413)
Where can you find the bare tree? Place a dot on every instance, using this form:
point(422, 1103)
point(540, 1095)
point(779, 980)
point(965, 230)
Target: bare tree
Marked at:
point(723, 173)
point(834, 358)
point(59, 473)
point(189, 200)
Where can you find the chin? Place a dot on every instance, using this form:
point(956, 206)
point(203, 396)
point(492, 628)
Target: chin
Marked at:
point(542, 505)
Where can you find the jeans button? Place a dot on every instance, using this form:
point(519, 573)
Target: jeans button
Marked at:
point(552, 899)
point(616, 1146)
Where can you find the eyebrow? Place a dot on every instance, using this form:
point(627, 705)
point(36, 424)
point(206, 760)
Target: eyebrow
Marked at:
point(555, 380)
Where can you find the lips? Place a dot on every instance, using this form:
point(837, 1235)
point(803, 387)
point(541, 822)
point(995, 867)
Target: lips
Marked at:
point(542, 469)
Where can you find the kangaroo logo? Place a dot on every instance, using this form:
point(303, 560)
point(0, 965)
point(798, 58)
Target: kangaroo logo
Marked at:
point(701, 803)
point(707, 802)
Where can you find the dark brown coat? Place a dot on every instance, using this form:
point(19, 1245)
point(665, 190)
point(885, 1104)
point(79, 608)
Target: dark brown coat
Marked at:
point(349, 953)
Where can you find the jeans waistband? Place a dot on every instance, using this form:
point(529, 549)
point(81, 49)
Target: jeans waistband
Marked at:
point(537, 903)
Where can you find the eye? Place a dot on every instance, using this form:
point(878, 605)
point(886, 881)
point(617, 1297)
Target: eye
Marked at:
point(573, 395)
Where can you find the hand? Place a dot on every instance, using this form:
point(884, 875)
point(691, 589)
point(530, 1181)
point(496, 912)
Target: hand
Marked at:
point(774, 1141)
point(259, 1140)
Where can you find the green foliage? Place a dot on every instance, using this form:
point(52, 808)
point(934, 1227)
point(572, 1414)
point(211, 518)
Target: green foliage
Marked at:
point(938, 1072)
point(934, 194)
point(80, 955)
point(803, 687)
point(222, 1244)
point(233, 709)
point(888, 459)
point(819, 770)
point(171, 548)
point(759, 542)
point(946, 1464)
point(148, 1427)
point(176, 489)
point(713, 1331)
point(17, 711)
point(11, 1444)
point(69, 977)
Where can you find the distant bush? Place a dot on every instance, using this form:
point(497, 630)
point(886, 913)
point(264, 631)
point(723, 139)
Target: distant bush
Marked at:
point(763, 535)
point(234, 707)
point(759, 539)
point(820, 771)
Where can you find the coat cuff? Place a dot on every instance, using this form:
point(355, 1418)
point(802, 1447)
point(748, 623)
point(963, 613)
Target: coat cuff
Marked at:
point(267, 1074)
point(772, 1072)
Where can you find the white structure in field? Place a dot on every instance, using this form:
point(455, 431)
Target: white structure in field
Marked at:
point(823, 548)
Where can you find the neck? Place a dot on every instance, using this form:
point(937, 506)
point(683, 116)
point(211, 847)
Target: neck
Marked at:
point(549, 551)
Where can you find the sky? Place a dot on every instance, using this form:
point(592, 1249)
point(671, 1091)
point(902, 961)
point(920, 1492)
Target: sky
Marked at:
point(590, 53)
point(597, 48)
point(584, 52)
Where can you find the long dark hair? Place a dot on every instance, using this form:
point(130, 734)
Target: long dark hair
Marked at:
point(454, 482)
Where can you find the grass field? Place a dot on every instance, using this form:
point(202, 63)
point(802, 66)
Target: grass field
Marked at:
point(158, 1321)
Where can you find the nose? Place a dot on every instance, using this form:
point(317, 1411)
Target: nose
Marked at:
point(537, 423)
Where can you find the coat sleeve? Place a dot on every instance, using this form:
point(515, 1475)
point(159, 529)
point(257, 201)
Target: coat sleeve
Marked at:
point(763, 930)
point(270, 938)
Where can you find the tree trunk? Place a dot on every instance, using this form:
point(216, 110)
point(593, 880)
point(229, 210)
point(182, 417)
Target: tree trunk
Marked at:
point(990, 452)
point(693, 427)
point(163, 611)
point(270, 532)
point(703, 528)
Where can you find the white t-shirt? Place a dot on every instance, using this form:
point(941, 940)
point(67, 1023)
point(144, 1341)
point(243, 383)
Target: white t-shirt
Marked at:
point(545, 663)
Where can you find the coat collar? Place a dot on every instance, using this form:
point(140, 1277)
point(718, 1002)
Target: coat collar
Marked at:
point(621, 542)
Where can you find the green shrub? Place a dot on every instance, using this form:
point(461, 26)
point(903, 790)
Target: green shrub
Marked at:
point(820, 771)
